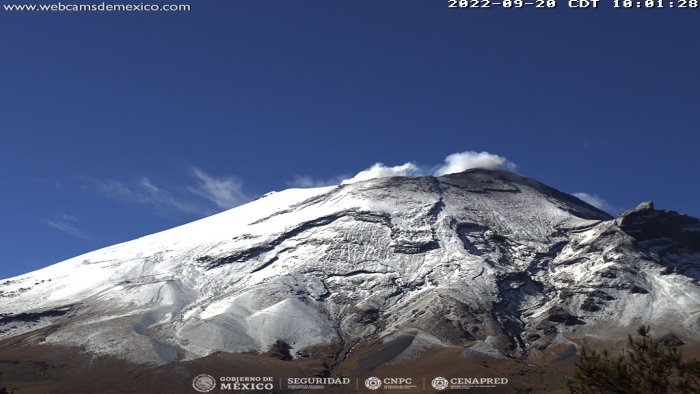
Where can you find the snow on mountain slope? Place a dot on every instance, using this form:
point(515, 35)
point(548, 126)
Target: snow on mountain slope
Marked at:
point(482, 255)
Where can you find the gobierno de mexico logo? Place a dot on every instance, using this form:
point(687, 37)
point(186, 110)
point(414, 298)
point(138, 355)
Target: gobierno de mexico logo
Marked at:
point(204, 383)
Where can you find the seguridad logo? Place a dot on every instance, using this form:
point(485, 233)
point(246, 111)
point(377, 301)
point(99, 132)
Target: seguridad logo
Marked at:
point(315, 383)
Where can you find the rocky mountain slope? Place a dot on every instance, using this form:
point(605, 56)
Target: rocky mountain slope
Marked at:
point(485, 259)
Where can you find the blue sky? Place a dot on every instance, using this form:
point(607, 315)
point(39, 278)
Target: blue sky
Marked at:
point(118, 125)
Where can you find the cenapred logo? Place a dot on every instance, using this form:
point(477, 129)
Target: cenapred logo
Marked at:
point(440, 383)
point(204, 383)
point(373, 383)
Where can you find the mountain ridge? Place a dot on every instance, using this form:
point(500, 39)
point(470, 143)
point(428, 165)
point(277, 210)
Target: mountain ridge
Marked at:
point(485, 258)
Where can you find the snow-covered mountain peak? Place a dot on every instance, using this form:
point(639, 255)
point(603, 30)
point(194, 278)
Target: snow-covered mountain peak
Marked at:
point(484, 255)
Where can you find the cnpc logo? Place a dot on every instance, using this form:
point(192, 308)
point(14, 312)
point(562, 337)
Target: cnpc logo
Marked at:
point(375, 383)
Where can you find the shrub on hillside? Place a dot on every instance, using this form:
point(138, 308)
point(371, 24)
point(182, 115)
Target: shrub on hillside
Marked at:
point(646, 366)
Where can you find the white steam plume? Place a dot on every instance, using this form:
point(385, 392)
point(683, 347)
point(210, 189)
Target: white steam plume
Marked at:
point(379, 170)
point(458, 162)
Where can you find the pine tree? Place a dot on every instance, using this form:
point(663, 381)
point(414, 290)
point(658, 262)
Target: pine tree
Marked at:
point(281, 350)
point(646, 366)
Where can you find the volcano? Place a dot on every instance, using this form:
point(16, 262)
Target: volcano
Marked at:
point(401, 275)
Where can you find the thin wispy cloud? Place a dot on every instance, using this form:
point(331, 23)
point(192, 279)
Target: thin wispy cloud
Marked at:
point(226, 192)
point(456, 162)
point(597, 202)
point(205, 196)
point(165, 200)
point(69, 218)
point(112, 188)
point(63, 226)
point(145, 192)
point(305, 182)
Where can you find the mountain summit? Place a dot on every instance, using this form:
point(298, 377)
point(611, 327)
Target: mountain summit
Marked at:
point(485, 259)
